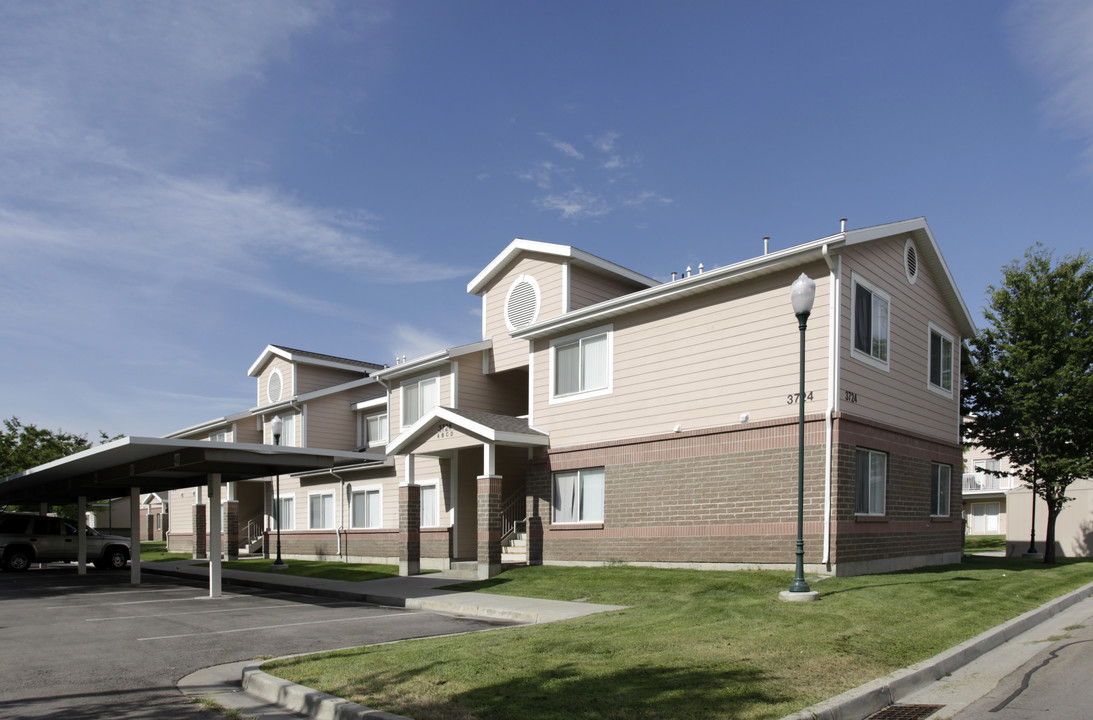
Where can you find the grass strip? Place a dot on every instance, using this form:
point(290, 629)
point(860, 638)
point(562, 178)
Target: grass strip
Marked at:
point(984, 543)
point(693, 644)
point(353, 572)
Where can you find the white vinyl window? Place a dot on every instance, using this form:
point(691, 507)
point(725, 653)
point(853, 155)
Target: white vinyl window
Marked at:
point(375, 429)
point(320, 511)
point(941, 362)
point(419, 397)
point(871, 310)
point(940, 476)
point(581, 365)
point(985, 518)
point(367, 508)
point(871, 471)
point(284, 507)
point(430, 506)
point(578, 496)
point(219, 436)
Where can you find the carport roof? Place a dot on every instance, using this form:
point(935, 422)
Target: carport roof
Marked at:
point(160, 464)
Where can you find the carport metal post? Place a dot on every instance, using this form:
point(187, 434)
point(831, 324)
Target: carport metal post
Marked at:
point(214, 535)
point(134, 535)
point(81, 535)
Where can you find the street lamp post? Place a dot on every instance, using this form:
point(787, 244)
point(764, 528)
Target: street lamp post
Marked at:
point(802, 294)
point(278, 564)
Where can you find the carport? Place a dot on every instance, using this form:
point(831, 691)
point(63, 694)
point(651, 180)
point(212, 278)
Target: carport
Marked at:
point(132, 465)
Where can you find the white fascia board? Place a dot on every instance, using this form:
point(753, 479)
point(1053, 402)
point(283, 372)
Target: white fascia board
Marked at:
point(256, 368)
point(518, 246)
point(665, 292)
point(468, 426)
point(370, 404)
point(208, 425)
point(296, 399)
point(431, 361)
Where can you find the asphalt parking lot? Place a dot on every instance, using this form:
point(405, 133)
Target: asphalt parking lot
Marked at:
point(97, 647)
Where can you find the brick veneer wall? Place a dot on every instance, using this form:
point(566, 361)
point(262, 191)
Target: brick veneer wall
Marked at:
point(729, 495)
point(721, 495)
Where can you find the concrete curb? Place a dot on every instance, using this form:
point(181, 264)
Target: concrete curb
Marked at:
point(867, 699)
point(301, 699)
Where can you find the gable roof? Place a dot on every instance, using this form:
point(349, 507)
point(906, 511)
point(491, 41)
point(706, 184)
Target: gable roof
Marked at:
point(309, 358)
point(490, 427)
point(580, 257)
point(746, 270)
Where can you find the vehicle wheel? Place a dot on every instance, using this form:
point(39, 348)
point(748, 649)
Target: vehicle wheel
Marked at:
point(17, 560)
point(113, 559)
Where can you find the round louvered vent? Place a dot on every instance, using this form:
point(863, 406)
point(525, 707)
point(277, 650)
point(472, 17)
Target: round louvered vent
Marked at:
point(274, 387)
point(910, 261)
point(522, 303)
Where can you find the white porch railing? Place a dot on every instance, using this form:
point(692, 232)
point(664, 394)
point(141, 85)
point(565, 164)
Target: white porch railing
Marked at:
point(985, 482)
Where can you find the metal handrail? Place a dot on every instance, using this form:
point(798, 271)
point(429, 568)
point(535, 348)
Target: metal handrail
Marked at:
point(986, 482)
point(513, 513)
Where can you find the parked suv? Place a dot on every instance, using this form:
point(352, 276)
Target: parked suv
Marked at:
point(26, 538)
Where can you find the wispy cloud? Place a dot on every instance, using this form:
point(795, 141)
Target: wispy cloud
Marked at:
point(575, 204)
point(563, 147)
point(1056, 40)
point(604, 143)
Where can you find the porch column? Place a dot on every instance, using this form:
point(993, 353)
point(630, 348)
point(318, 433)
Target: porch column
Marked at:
point(81, 535)
point(489, 516)
point(409, 529)
point(200, 537)
point(134, 535)
point(231, 512)
point(214, 535)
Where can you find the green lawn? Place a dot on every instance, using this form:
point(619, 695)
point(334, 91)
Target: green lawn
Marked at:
point(984, 543)
point(153, 551)
point(353, 572)
point(693, 644)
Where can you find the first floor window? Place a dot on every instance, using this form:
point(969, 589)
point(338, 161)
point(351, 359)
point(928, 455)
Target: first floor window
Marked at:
point(871, 469)
point(939, 489)
point(430, 512)
point(941, 362)
point(984, 518)
point(284, 507)
point(578, 496)
point(321, 511)
point(367, 509)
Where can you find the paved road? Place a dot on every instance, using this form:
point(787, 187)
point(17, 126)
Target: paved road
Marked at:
point(97, 647)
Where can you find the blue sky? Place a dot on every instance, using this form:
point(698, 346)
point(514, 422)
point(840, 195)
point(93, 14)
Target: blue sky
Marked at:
point(183, 183)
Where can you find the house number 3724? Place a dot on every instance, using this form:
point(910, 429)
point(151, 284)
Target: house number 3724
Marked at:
point(794, 398)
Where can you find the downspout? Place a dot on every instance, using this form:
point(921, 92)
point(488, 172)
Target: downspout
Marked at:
point(341, 513)
point(834, 265)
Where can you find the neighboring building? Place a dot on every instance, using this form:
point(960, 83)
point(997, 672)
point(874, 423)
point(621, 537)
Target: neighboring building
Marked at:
point(1073, 527)
point(985, 493)
point(610, 418)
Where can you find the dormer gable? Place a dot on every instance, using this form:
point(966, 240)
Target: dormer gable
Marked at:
point(284, 372)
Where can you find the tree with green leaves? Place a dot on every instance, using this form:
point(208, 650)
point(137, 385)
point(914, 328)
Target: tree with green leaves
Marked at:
point(25, 446)
point(1030, 383)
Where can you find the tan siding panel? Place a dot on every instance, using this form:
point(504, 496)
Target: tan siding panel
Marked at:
point(698, 362)
point(313, 377)
point(899, 397)
point(547, 271)
point(588, 288)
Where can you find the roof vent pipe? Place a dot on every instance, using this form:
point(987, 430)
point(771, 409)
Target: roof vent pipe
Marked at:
point(688, 271)
point(701, 267)
point(843, 223)
point(674, 275)
point(766, 245)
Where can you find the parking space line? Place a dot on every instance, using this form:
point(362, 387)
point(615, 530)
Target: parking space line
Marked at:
point(275, 627)
point(136, 602)
point(208, 612)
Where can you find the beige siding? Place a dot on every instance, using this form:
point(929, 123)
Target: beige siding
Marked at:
point(331, 423)
point(547, 271)
point(395, 417)
point(286, 369)
point(502, 394)
point(698, 362)
point(313, 377)
point(588, 288)
point(899, 396)
point(246, 430)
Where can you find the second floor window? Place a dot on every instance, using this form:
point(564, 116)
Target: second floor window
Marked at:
point(375, 429)
point(582, 364)
point(941, 362)
point(871, 323)
point(419, 397)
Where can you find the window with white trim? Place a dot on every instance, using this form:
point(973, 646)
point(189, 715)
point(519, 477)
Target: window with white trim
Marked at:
point(581, 365)
point(284, 506)
point(320, 511)
point(430, 505)
point(419, 397)
point(941, 362)
point(366, 508)
point(219, 436)
point(578, 496)
point(870, 475)
point(940, 477)
point(288, 430)
point(375, 429)
point(871, 322)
